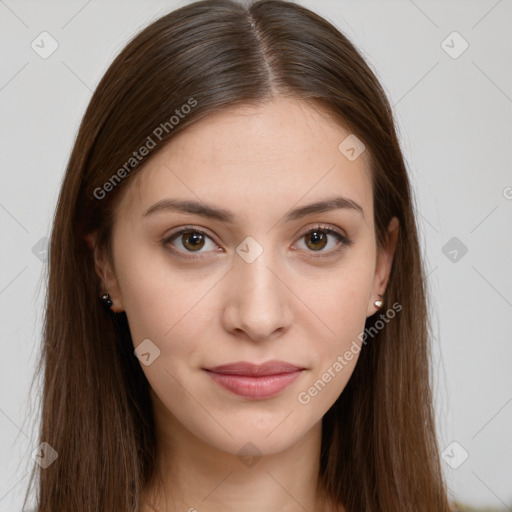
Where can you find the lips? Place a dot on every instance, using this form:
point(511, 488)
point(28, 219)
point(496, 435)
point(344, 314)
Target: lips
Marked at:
point(254, 370)
point(255, 381)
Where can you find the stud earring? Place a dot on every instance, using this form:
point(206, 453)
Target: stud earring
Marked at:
point(105, 299)
point(378, 303)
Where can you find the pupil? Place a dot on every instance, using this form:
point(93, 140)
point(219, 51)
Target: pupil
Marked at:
point(317, 238)
point(194, 239)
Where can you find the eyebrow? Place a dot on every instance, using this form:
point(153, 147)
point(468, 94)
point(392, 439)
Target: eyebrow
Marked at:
point(220, 214)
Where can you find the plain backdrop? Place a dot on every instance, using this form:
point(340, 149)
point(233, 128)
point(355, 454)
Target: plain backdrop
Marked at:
point(446, 67)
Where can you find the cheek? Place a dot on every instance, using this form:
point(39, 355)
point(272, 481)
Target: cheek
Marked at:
point(157, 297)
point(173, 314)
point(336, 352)
point(338, 299)
point(340, 305)
point(163, 306)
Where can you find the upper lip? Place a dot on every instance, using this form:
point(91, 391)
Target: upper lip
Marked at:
point(250, 369)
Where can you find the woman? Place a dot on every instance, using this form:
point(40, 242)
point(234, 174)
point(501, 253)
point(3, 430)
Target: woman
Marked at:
point(237, 200)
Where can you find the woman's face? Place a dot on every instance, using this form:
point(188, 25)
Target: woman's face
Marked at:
point(247, 283)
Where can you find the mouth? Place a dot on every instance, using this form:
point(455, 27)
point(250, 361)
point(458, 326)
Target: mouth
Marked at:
point(255, 381)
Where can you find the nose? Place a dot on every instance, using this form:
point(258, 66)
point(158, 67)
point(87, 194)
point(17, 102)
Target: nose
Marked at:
point(258, 303)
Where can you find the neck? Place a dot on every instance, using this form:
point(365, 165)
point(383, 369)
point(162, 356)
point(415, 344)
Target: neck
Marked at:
point(193, 476)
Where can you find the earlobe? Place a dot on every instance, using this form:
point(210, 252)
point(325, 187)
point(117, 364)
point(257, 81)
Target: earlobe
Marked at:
point(90, 238)
point(110, 295)
point(385, 258)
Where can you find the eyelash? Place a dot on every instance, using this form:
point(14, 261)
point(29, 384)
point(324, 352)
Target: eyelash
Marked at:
point(343, 241)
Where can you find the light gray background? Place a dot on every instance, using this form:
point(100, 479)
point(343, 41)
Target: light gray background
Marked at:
point(454, 118)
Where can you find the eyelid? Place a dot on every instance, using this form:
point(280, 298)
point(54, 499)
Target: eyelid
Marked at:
point(322, 227)
point(186, 228)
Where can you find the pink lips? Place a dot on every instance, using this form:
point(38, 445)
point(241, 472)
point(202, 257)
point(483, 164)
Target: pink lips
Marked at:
point(255, 381)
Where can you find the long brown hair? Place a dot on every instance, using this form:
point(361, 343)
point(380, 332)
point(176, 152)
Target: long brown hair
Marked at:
point(379, 450)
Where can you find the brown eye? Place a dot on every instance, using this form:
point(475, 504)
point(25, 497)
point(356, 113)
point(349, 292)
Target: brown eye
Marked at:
point(187, 241)
point(192, 240)
point(324, 241)
point(316, 240)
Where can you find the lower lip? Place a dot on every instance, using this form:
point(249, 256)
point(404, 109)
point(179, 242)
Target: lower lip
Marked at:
point(255, 387)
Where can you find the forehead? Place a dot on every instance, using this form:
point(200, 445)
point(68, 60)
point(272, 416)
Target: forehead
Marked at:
point(274, 153)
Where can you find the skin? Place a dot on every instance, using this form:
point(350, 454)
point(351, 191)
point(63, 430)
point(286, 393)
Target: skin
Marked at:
point(288, 304)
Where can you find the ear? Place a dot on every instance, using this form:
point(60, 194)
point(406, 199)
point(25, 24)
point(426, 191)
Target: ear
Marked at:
point(383, 267)
point(105, 272)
